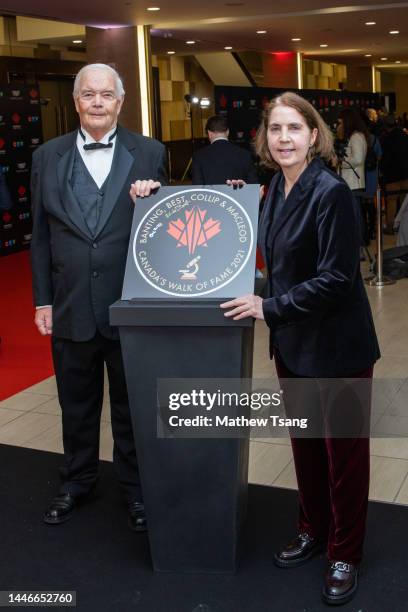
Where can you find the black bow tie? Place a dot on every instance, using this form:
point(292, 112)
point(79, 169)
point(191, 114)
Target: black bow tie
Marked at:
point(93, 146)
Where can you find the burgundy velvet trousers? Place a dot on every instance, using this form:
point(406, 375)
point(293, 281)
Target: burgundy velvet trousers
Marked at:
point(333, 481)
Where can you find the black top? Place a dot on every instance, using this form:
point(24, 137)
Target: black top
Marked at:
point(222, 160)
point(317, 310)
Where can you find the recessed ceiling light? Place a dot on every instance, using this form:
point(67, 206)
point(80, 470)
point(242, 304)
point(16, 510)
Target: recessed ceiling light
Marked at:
point(227, 48)
point(384, 59)
point(296, 39)
point(77, 42)
point(170, 52)
point(394, 31)
point(261, 31)
point(368, 55)
point(234, 3)
point(324, 45)
point(370, 22)
point(153, 8)
point(397, 61)
point(190, 42)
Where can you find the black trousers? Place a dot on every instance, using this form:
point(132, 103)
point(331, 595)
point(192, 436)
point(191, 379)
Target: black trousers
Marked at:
point(79, 369)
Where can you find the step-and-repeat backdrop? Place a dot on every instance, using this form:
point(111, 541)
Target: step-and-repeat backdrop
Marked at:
point(20, 135)
point(244, 106)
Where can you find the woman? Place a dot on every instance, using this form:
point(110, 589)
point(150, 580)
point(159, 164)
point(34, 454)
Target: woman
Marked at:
point(353, 130)
point(320, 327)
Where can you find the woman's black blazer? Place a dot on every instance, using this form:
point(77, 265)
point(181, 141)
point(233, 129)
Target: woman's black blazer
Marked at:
point(317, 310)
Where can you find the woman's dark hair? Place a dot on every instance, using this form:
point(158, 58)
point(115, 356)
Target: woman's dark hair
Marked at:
point(353, 122)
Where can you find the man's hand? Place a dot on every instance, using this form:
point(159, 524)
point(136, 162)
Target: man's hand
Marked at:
point(243, 307)
point(235, 183)
point(43, 320)
point(142, 189)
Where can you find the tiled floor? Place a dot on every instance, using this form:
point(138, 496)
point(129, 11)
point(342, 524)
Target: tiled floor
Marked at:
point(32, 418)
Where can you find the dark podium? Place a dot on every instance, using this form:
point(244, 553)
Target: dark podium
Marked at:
point(190, 249)
point(194, 489)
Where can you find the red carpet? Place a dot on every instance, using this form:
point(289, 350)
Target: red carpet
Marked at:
point(25, 356)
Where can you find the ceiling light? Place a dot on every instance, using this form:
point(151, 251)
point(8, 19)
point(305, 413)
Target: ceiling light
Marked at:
point(370, 22)
point(77, 42)
point(384, 59)
point(228, 48)
point(397, 61)
point(368, 55)
point(261, 31)
point(324, 45)
point(190, 42)
point(170, 52)
point(296, 39)
point(153, 8)
point(394, 31)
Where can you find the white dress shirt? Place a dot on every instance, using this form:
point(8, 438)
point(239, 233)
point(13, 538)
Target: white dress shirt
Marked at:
point(98, 162)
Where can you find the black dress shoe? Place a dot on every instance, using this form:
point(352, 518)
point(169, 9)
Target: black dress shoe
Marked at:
point(60, 509)
point(137, 517)
point(340, 583)
point(302, 548)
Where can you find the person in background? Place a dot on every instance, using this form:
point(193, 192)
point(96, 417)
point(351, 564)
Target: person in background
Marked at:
point(393, 168)
point(221, 160)
point(82, 217)
point(352, 129)
point(5, 198)
point(320, 327)
point(373, 156)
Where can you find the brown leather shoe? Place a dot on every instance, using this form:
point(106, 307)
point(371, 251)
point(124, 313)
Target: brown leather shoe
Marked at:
point(340, 584)
point(300, 550)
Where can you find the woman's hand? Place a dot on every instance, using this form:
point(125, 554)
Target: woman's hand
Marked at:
point(243, 307)
point(142, 189)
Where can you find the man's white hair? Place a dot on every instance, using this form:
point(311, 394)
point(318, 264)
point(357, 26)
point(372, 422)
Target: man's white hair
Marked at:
point(119, 90)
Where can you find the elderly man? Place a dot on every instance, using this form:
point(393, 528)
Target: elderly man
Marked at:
point(82, 214)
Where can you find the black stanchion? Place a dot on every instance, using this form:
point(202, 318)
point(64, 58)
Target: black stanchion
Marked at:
point(379, 280)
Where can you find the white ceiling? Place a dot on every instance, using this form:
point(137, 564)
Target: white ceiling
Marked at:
point(214, 24)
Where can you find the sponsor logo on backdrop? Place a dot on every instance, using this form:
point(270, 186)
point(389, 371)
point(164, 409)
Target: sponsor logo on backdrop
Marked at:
point(5, 169)
point(223, 101)
point(237, 104)
point(2, 146)
point(8, 244)
point(16, 94)
point(34, 142)
point(252, 132)
point(6, 217)
point(33, 118)
point(16, 118)
point(17, 144)
point(27, 237)
point(22, 193)
point(21, 167)
point(206, 239)
point(24, 216)
point(34, 95)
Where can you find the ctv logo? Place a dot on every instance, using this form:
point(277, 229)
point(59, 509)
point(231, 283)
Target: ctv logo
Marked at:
point(33, 118)
point(9, 243)
point(5, 169)
point(24, 216)
point(237, 104)
point(17, 144)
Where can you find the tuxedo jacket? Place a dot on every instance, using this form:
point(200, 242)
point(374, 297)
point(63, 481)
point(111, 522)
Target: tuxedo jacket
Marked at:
point(222, 160)
point(317, 310)
point(78, 273)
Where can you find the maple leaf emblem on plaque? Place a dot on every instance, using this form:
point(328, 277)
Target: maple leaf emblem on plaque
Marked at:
point(194, 231)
